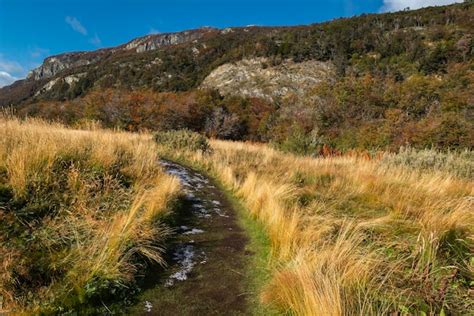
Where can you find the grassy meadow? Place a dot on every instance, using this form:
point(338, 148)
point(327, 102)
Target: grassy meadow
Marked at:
point(352, 235)
point(80, 213)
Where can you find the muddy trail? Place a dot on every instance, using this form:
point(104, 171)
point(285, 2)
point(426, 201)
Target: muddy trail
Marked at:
point(207, 258)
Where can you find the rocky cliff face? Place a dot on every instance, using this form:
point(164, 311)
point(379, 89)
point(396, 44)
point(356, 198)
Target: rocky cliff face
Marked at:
point(55, 64)
point(259, 78)
point(152, 42)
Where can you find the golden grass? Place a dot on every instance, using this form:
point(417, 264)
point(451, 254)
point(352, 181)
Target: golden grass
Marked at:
point(352, 236)
point(105, 192)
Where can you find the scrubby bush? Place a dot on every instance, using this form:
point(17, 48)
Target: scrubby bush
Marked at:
point(459, 163)
point(183, 139)
point(299, 142)
point(223, 125)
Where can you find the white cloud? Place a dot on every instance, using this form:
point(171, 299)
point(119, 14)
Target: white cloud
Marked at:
point(10, 71)
point(153, 31)
point(95, 40)
point(76, 25)
point(6, 79)
point(10, 66)
point(397, 5)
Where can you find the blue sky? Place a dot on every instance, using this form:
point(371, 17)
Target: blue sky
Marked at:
point(31, 30)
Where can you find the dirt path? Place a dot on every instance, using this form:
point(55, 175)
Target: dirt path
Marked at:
point(207, 259)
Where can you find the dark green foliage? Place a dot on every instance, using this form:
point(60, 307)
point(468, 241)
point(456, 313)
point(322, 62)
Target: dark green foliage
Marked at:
point(300, 142)
point(6, 194)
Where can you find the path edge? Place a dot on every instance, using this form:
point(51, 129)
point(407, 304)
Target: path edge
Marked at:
point(259, 269)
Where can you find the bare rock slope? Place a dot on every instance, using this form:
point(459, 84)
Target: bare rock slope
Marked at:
point(258, 78)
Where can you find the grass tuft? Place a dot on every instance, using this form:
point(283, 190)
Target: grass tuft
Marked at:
point(80, 213)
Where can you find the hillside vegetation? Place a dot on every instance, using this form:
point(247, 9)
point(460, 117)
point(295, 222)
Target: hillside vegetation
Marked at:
point(355, 236)
point(80, 215)
point(377, 81)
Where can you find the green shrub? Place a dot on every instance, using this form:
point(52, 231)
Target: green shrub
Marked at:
point(301, 143)
point(457, 163)
point(183, 139)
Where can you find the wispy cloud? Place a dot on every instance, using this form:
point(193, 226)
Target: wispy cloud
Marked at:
point(11, 70)
point(95, 40)
point(6, 79)
point(397, 5)
point(76, 25)
point(153, 31)
point(10, 66)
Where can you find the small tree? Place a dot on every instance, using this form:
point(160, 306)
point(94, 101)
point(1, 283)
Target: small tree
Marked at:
point(223, 125)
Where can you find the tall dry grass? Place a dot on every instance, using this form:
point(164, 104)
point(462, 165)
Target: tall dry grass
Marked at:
point(78, 209)
point(353, 236)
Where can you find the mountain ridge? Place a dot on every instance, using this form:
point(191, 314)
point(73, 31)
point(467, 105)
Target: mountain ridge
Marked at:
point(320, 41)
point(55, 63)
point(378, 81)
point(274, 41)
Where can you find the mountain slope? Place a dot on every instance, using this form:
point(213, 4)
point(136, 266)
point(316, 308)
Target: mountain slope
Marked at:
point(373, 81)
point(180, 61)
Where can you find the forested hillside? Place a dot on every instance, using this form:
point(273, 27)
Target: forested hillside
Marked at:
point(390, 80)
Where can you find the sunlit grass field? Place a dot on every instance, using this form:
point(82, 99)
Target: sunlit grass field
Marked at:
point(80, 212)
point(352, 235)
